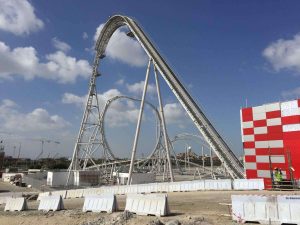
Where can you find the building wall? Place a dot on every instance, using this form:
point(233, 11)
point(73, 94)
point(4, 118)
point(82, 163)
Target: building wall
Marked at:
point(270, 133)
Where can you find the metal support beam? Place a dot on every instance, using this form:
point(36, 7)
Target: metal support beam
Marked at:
point(161, 109)
point(138, 126)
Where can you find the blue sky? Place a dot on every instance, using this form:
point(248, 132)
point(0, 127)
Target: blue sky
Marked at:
point(224, 52)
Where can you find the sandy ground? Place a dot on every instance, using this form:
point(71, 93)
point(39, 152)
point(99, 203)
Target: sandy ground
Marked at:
point(187, 207)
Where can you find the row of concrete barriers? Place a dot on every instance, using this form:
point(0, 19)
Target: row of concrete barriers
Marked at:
point(182, 186)
point(266, 209)
point(141, 204)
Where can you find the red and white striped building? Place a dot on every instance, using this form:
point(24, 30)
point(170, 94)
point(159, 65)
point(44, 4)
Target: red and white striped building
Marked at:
point(271, 138)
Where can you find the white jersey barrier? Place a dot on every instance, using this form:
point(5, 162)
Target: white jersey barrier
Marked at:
point(92, 191)
point(62, 193)
point(52, 202)
point(76, 193)
point(266, 209)
point(15, 204)
point(6, 195)
point(164, 187)
point(150, 204)
point(248, 184)
point(105, 202)
point(43, 194)
point(289, 208)
point(222, 184)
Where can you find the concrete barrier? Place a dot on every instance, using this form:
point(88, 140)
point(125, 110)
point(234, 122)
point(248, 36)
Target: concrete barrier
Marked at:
point(198, 185)
point(51, 203)
point(173, 187)
point(43, 194)
point(105, 202)
point(224, 184)
point(15, 204)
point(122, 190)
point(91, 191)
point(163, 187)
point(4, 196)
point(150, 204)
point(147, 188)
point(131, 189)
point(289, 209)
point(62, 193)
point(186, 186)
point(76, 193)
point(255, 208)
point(248, 184)
point(110, 189)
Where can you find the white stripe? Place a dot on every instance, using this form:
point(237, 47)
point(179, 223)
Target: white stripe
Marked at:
point(291, 127)
point(263, 173)
point(249, 151)
point(290, 112)
point(262, 158)
point(261, 144)
point(247, 124)
point(260, 130)
point(274, 122)
point(259, 109)
point(276, 144)
point(277, 159)
point(248, 138)
point(259, 116)
point(250, 165)
point(272, 107)
point(289, 105)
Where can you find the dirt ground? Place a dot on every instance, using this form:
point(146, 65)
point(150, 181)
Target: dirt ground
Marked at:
point(187, 207)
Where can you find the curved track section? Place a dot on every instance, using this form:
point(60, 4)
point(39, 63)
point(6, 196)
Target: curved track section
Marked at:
point(102, 124)
point(221, 149)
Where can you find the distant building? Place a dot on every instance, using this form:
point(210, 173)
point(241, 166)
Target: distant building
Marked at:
point(271, 139)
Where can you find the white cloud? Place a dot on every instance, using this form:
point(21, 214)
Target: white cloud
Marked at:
point(80, 101)
point(284, 54)
point(85, 35)
point(60, 45)
point(175, 114)
point(120, 113)
point(123, 48)
point(137, 88)
point(65, 68)
point(18, 17)
point(24, 61)
point(120, 81)
point(37, 120)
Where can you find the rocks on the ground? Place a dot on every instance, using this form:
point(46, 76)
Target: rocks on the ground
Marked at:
point(156, 221)
point(173, 222)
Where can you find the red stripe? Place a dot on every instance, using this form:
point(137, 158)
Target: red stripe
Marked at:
point(275, 129)
point(268, 183)
point(247, 114)
point(292, 145)
point(250, 144)
point(267, 151)
point(260, 123)
point(261, 137)
point(290, 120)
point(266, 166)
point(292, 135)
point(273, 114)
point(251, 174)
point(250, 158)
point(247, 131)
point(275, 136)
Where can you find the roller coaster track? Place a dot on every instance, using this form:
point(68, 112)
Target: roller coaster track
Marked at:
point(221, 149)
